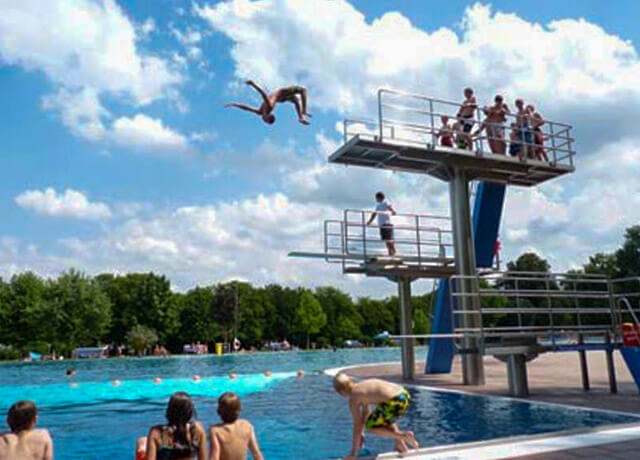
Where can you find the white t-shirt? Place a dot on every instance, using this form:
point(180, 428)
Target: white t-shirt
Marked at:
point(383, 212)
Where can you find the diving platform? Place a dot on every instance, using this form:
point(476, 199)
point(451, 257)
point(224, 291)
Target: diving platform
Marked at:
point(406, 138)
point(438, 161)
point(423, 243)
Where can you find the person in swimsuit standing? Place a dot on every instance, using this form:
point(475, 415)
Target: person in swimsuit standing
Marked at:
point(294, 94)
point(180, 439)
point(539, 152)
point(392, 401)
point(467, 110)
point(525, 135)
point(496, 115)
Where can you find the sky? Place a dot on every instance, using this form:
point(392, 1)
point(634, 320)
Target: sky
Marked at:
point(118, 155)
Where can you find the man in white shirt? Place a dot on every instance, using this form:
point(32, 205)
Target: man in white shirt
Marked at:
point(384, 211)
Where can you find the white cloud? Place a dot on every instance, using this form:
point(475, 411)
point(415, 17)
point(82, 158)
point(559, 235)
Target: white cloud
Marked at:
point(573, 70)
point(147, 133)
point(148, 26)
point(88, 49)
point(71, 203)
point(81, 111)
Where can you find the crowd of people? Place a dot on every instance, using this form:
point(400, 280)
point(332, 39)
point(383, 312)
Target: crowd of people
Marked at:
point(182, 437)
point(526, 138)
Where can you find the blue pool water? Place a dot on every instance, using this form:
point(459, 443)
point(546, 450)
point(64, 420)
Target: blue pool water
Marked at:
point(90, 418)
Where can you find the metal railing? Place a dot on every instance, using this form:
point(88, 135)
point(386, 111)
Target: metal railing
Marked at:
point(544, 306)
point(419, 239)
point(414, 119)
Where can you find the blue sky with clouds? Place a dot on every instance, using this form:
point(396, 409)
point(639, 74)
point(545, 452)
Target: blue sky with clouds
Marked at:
point(118, 154)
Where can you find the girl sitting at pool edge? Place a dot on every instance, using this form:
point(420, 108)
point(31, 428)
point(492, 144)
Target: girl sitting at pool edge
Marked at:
point(392, 401)
point(180, 439)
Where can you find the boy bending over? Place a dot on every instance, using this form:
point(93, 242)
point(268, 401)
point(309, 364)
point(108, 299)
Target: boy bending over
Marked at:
point(392, 401)
point(231, 439)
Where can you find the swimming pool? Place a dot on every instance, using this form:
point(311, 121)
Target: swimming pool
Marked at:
point(294, 418)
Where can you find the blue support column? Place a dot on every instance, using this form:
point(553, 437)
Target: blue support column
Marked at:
point(487, 213)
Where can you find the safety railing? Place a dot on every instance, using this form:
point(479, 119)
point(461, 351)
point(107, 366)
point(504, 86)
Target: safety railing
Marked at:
point(542, 306)
point(416, 120)
point(418, 239)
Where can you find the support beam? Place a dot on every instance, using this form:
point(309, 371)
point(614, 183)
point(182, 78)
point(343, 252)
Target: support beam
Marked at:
point(472, 363)
point(584, 369)
point(611, 369)
point(517, 375)
point(406, 328)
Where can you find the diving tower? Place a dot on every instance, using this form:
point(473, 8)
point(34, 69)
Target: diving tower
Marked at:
point(405, 138)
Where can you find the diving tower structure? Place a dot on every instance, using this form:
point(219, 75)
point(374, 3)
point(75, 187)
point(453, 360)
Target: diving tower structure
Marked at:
point(405, 138)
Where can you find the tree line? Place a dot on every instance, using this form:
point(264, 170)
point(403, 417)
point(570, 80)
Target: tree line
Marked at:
point(74, 309)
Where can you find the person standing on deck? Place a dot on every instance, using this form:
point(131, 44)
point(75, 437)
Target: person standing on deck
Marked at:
point(384, 211)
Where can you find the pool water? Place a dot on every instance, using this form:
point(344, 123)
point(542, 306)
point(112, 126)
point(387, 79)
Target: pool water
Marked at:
point(295, 418)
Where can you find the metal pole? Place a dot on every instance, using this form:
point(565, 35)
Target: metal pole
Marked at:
point(583, 365)
point(406, 328)
point(613, 386)
point(380, 113)
point(472, 363)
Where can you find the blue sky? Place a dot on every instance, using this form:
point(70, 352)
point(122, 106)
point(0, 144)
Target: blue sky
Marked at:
point(118, 155)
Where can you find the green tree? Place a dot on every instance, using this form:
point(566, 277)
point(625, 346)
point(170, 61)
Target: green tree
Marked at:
point(628, 256)
point(602, 264)
point(309, 316)
point(79, 311)
point(25, 315)
point(141, 338)
point(343, 318)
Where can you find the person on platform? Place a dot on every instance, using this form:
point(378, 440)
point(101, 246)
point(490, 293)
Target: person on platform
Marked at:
point(391, 400)
point(180, 439)
point(523, 123)
point(536, 120)
point(24, 442)
point(495, 116)
point(467, 110)
point(384, 211)
point(231, 439)
point(445, 133)
point(294, 94)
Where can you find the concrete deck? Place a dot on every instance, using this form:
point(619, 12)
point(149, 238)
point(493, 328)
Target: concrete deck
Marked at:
point(553, 378)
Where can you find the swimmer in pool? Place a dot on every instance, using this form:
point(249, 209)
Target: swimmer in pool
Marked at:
point(391, 400)
point(300, 373)
point(196, 378)
point(297, 95)
point(116, 383)
point(70, 372)
point(157, 380)
point(268, 373)
point(233, 376)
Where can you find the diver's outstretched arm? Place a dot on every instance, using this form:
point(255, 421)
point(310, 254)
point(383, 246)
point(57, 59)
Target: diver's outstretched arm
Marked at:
point(246, 107)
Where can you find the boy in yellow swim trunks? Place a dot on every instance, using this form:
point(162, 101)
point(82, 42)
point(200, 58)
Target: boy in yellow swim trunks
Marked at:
point(391, 400)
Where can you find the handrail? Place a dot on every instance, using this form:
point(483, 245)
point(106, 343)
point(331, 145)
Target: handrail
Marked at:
point(416, 124)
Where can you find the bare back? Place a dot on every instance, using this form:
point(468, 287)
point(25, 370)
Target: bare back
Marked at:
point(374, 391)
point(26, 445)
point(233, 440)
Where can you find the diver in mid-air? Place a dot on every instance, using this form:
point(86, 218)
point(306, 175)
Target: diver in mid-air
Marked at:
point(294, 94)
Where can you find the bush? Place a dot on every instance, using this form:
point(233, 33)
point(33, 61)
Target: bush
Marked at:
point(7, 352)
point(140, 338)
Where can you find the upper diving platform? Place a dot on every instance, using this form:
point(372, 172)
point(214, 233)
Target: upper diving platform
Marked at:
point(405, 138)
